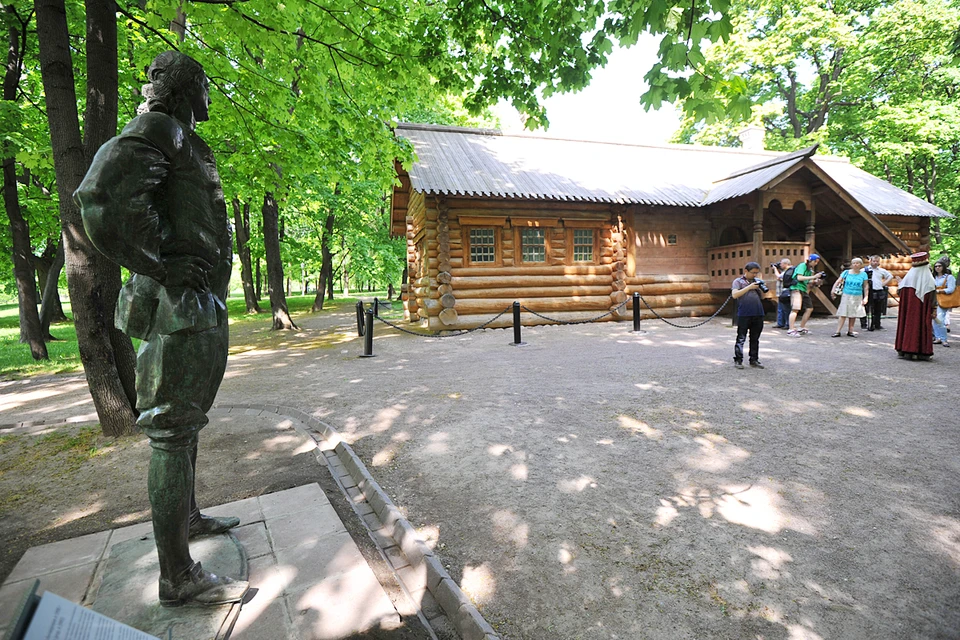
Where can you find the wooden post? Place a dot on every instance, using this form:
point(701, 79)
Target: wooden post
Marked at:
point(757, 231)
point(848, 248)
point(811, 235)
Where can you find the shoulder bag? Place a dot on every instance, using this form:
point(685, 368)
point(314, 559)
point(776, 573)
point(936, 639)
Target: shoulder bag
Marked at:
point(948, 301)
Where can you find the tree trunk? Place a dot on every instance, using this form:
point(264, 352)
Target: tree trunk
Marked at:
point(242, 223)
point(326, 260)
point(271, 246)
point(94, 282)
point(51, 310)
point(30, 332)
point(259, 280)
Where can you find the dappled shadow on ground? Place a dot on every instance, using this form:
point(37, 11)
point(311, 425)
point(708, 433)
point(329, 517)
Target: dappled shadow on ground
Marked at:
point(601, 483)
point(67, 481)
point(617, 485)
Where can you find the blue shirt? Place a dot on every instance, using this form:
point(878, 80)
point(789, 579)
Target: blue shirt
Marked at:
point(853, 282)
point(749, 304)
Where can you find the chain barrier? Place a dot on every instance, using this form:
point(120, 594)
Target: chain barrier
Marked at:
point(462, 332)
point(557, 321)
point(692, 326)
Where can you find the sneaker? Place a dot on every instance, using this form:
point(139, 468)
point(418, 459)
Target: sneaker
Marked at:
point(795, 334)
point(803, 331)
point(738, 365)
point(946, 344)
point(756, 364)
point(937, 341)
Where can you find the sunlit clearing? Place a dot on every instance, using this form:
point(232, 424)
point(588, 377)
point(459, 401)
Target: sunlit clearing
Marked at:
point(479, 583)
point(715, 453)
point(946, 534)
point(403, 436)
point(132, 517)
point(637, 426)
point(566, 556)
point(563, 439)
point(78, 514)
point(578, 485)
point(799, 632)
point(14, 400)
point(755, 508)
point(769, 563)
point(519, 471)
point(386, 417)
point(430, 534)
point(605, 441)
point(438, 443)
point(649, 386)
point(454, 396)
point(666, 512)
point(508, 526)
point(355, 380)
point(384, 456)
point(860, 412)
point(498, 449)
point(279, 442)
point(756, 406)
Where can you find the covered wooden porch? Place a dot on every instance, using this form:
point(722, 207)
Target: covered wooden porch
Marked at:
point(792, 209)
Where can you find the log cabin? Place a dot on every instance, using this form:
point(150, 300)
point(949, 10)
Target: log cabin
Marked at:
point(571, 228)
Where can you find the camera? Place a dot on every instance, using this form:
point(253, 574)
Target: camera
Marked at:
point(763, 285)
point(774, 265)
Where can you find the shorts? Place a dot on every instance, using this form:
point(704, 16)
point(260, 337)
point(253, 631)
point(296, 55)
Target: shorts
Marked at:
point(800, 300)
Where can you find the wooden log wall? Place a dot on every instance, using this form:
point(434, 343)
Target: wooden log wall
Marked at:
point(653, 253)
point(675, 295)
point(915, 233)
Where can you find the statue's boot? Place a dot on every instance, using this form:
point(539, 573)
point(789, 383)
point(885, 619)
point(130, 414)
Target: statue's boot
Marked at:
point(198, 587)
point(170, 484)
point(201, 525)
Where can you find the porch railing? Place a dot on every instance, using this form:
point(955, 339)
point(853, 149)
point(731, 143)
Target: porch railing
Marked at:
point(726, 263)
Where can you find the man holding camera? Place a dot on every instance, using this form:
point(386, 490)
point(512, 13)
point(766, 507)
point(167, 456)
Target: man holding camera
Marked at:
point(800, 302)
point(783, 294)
point(746, 290)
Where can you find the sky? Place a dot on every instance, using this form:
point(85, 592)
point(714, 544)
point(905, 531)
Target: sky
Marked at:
point(609, 108)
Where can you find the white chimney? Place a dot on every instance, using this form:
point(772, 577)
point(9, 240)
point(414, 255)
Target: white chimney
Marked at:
point(752, 138)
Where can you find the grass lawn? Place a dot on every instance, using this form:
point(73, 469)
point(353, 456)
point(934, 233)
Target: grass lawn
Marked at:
point(250, 330)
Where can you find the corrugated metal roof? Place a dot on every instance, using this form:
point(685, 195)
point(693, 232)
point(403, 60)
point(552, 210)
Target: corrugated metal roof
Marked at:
point(482, 162)
point(746, 183)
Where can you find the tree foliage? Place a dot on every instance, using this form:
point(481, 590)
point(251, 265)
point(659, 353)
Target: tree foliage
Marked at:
point(875, 81)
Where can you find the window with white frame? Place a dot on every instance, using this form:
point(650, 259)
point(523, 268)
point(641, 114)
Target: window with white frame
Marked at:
point(483, 245)
point(533, 245)
point(583, 245)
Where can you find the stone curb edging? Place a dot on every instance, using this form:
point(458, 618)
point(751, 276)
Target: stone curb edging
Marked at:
point(424, 570)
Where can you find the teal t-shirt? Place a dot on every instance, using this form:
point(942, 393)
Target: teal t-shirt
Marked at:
point(803, 269)
point(853, 282)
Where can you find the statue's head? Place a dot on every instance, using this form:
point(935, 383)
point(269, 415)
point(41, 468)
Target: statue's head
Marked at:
point(178, 87)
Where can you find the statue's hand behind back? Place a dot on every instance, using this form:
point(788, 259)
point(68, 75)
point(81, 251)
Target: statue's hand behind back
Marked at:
point(186, 271)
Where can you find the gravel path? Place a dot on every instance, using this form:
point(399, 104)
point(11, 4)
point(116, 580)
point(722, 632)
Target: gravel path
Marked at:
point(601, 484)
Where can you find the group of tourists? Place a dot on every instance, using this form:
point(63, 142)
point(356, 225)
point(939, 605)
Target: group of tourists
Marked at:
point(924, 314)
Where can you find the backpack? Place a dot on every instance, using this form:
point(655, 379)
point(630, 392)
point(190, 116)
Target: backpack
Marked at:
point(789, 278)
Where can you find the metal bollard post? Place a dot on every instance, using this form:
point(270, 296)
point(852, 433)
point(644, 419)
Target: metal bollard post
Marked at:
point(376, 307)
point(516, 326)
point(368, 336)
point(359, 318)
point(636, 311)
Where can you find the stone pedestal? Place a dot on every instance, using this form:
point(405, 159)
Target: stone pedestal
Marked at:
point(129, 589)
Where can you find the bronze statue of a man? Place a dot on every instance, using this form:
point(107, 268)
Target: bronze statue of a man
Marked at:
point(153, 203)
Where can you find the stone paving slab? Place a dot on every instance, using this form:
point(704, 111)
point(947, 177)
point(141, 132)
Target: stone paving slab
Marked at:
point(311, 581)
